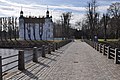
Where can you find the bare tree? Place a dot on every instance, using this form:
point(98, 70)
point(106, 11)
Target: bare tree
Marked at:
point(105, 22)
point(93, 18)
point(66, 17)
point(1, 28)
point(114, 12)
point(5, 28)
point(15, 30)
point(58, 28)
point(9, 28)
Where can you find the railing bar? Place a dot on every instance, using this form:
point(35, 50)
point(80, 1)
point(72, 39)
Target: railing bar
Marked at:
point(28, 56)
point(112, 56)
point(9, 56)
point(10, 69)
point(119, 60)
point(112, 53)
point(106, 51)
point(119, 56)
point(9, 63)
point(112, 49)
point(39, 48)
point(28, 60)
point(106, 46)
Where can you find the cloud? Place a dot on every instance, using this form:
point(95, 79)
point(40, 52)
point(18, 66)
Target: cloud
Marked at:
point(10, 8)
point(13, 9)
point(103, 8)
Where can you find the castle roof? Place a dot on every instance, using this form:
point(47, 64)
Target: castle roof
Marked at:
point(34, 20)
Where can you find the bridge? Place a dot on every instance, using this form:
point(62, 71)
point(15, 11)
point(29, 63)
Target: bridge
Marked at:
point(74, 61)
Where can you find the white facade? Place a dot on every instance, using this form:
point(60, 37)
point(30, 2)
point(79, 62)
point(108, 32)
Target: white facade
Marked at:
point(47, 30)
point(35, 28)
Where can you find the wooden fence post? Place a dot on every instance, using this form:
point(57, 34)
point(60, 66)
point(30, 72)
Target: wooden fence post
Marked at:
point(53, 47)
point(92, 44)
point(1, 68)
point(49, 49)
point(21, 63)
point(103, 49)
point(43, 51)
point(35, 58)
point(56, 46)
point(108, 54)
point(116, 56)
point(95, 45)
point(99, 48)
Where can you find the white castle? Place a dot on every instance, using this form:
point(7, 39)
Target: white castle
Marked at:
point(33, 28)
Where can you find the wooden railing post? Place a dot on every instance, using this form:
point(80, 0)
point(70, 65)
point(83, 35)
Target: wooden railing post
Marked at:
point(49, 49)
point(103, 49)
point(99, 47)
point(108, 54)
point(43, 51)
point(21, 63)
point(35, 58)
point(56, 46)
point(116, 56)
point(53, 47)
point(1, 68)
point(95, 45)
point(92, 44)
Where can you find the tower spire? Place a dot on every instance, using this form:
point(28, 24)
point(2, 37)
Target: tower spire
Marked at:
point(47, 8)
point(21, 8)
point(21, 12)
point(47, 13)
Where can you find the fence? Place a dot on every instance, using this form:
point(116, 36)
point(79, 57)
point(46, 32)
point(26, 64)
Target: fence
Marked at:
point(45, 49)
point(112, 53)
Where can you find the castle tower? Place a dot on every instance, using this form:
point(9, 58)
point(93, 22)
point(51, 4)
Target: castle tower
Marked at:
point(47, 13)
point(48, 27)
point(21, 26)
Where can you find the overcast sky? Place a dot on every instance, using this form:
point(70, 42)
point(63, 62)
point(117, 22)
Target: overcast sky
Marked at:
point(56, 7)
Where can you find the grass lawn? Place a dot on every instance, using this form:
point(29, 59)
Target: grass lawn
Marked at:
point(102, 40)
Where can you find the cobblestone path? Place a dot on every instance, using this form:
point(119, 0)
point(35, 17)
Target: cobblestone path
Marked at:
point(75, 61)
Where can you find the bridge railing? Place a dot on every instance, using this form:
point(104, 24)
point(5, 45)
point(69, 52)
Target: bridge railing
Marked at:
point(112, 53)
point(21, 58)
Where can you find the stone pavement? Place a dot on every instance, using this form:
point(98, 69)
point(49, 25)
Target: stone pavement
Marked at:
point(75, 61)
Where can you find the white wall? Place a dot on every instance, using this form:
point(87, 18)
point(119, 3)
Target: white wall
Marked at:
point(47, 30)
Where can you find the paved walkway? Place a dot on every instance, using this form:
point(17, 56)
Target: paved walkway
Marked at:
point(75, 61)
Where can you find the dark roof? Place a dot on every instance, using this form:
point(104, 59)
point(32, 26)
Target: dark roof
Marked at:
point(21, 12)
point(34, 20)
point(47, 11)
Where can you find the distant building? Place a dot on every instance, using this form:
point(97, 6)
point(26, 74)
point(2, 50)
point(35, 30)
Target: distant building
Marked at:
point(33, 28)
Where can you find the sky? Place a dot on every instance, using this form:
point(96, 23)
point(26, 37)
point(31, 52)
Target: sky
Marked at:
point(56, 8)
